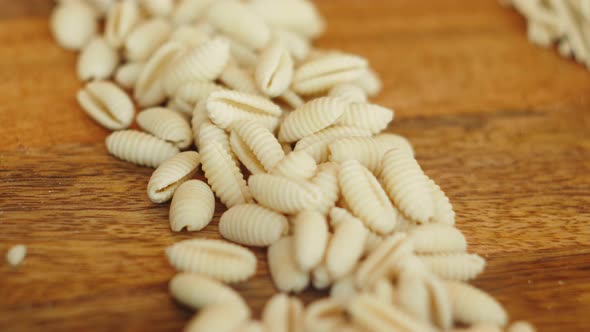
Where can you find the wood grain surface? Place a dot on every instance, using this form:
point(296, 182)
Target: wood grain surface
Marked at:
point(502, 125)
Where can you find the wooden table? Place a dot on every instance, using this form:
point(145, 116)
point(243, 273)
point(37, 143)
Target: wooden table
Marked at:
point(502, 125)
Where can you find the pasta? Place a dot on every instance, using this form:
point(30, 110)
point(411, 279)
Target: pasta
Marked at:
point(251, 326)
point(321, 74)
point(127, 74)
point(191, 35)
point(227, 107)
point(238, 79)
point(293, 15)
point(443, 209)
point(213, 258)
point(325, 315)
point(73, 24)
point(188, 11)
point(297, 165)
point(192, 207)
point(274, 70)
point(282, 194)
point(261, 142)
point(395, 141)
point(521, 326)
point(188, 95)
point(297, 45)
point(366, 150)
point(121, 19)
point(320, 277)
point(16, 254)
point(245, 154)
point(209, 132)
point(372, 117)
point(344, 289)
point(437, 238)
point(347, 243)
point(326, 180)
point(283, 314)
point(170, 174)
point(349, 92)
point(198, 291)
point(158, 8)
point(285, 274)
point(231, 17)
point(384, 291)
point(97, 61)
point(310, 236)
point(459, 266)
point(242, 54)
point(222, 317)
point(372, 241)
point(291, 99)
point(317, 145)
point(166, 125)
point(252, 225)
point(146, 38)
point(139, 148)
point(369, 81)
point(472, 306)
point(106, 104)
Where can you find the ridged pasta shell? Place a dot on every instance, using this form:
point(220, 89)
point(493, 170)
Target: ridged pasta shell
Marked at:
point(438, 238)
point(310, 118)
point(370, 82)
point(127, 74)
point(146, 38)
point(198, 291)
point(209, 132)
point(217, 259)
point(317, 145)
point(395, 141)
point(372, 117)
point(245, 154)
point(244, 56)
point(372, 242)
point(366, 198)
point(321, 74)
point(223, 174)
point(326, 180)
point(274, 70)
point(238, 79)
point(301, 17)
point(73, 24)
point(252, 225)
point(171, 174)
point(297, 165)
point(344, 289)
point(320, 277)
point(261, 142)
point(459, 266)
point(106, 104)
point(158, 8)
point(310, 236)
point(384, 291)
point(192, 207)
point(189, 11)
point(283, 314)
point(282, 194)
point(222, 317)
point(472, 306)
point(291, 99)
point(407, 185)
point(202, 63)
point(200, 116)
point(189, 35)
point(349, 92)
point(443, 209)
point(122, 17)
point(231, 17)
point(227, 107)
point(365, 150)
point(325, 315)
point(97, 60)
point(188, 95)
point(286, 275)
point(139, 148)
point(166, 125)
point(347, 243)
point(297, 45)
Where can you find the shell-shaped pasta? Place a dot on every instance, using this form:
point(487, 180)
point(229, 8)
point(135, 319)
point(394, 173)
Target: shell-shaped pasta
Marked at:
point(297, 45)
point(202, 63)
point(217, 259)
point(283, 314)
point(222, 317)
point(372, 117)
point(310, 118)
point(282, 194)
point(224, 176)
point(438, 238)
point(320, 277)
point(127, 74)
point(231, 17)
point(139, 148)
point(16, 254)
point(370, 82)
point(209, 132)
point(193, 205)
point(347, 243)
point(366, 198)
point(349, 92)
point(373, 241)
point(227, 107)
point(460, 266)
point(317, 145)
point(245, 56)
point(200, 116)
point(472, 306)
point(252, 225)
point(171, 174)
point(443, 209)
point(344, 289)
point(106, 104)
point(167, 125)
point(261, 142)
point(384, 291)
point(198, 291)
point(97, 60)
point(299, 16)
point(238, 79)
point(321, 74)
point(189, 11)
point(407, 185)
point(310, 236)
point(188, 95)
point(158, 8)
point(121, 19)
point(274, 71)
point(146, 38)
point(395, 141)
point(285, 273)
point(73, 24)
point(521, 326)
point(245, 154)
point(326, 179)
point(148, 88)
point(291, 99)
point(365, 150)
point(324, 315)
point(191, 36)
point(297, 165)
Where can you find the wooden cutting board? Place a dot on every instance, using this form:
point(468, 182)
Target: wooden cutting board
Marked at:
point(503, 126)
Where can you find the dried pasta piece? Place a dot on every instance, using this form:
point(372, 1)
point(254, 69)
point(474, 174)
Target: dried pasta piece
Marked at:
point(217, 259)
point(283, 314)
point(326, 179)
point(282, 194)
point(127, 74)
point(325, 315)
point(291, 98)
point(407, 185)
point(222, 173)
point(522, 326)
point(299, 16)
point(106, 104)
point(297, 165)
point(238, 79)
point(139, 148)
point(146, 38)
point(251, 326)
point(227, 107)
point(121, 19)
point(372, 117)
point(245, 154)
point(459, 266)
point(188, 95)
point(344, 289)
point(395, 141)
point(193, 205)
point(189, 11)
point(310, 118)
point(171, 174)
point(191, 35)
point(230, 17)
point(365, 150)
point(321, 74)
point(310, 236)
point(347, 243)
point(366, 198)
point(320, 277)
point(158, 8)
point(384, 291)
point(200, 117)
point(317, 145)
point(372, 242)
point(438, 238)
point(16, 254)
point(284, 270)
point(97, 61)
point(472, 306)
point(222, 317)
point(209, 132)
point(370, 82)
point(297, 45)
point(443, 209)
point(167, 125)
point(274, 70)
point(252, 225)
point(198, 291)
point(350, 92)
point(245, 56)
point(73, 24)
point(261, 142)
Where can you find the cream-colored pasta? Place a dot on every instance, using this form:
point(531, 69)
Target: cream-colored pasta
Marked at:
point(73, 24)
point(373, 241)
point(245, 154)
point(158, 8)
point(297, 165)
point(121, 19)
point(310, 118)
point(317, 145)
point(291, 99)
point(188, 95)
point(227, 107)
point(370, 82)
point(344, 289)
point(299, 16)
point(139, 148)
point(209, 132)
point(326, 180)
point(365, 150)
point(146, 38)
point(167, 125)
point(223, 174)
point(231, 17)
point(127, 74)
point(285, 273)
point(238, 79)
point(372, 117)
point(443, 209)
point(283, 314)
point(407, 185)
point(282, 194)
point(217, 259)
point(471, 305)
point(198, 291)
point(347, 243)
point(222, 317)
point(321, 74)
point(189, 11)
point(310, 236)
point(101, 7)
point(260, 141)
point(366, 198)
point(324, 315)
point(252, 225)
point(97, 60)
point(384, 291)
point(199, 117)
point(459, 266)
point(106, 104)
point(16, 254)
point(395, 141)
point(350, 92)
point(274, 70)
point(437, 238)
point(320, 277)
point(202, 63)
point(297, 45)
point(192, 207)
point(171, 174)
point(190, 35)
point(521, 326)
point(251, 326)
point(245, 56)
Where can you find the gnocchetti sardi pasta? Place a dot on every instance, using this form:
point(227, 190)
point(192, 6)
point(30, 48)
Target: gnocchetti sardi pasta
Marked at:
point(145, 38)
point(107, 104)
point(346, 244)
point(438, 238)
point(350, 92)
point(188, 95)
point(221, 317)
point(263, 144)
point(16, 254)
point(317, 144)
point(157, 8)
point(454, 266)
point(171, 174)
point(326, 179)
point(320, 276)
point(310, 236)
point(274, 71)
point(310, 118)
point(321, 74)
point(282, 194)
point(372, 117)
point(167, 125)
point(126, 75)
point(192, 207)
point(299, 16)
point(232, 16)
point(238, 79)
point(120, 21)
point(73, 24)
point(245, 154)
point(325, 315)
point(471, 305)
point(191, 35)
point(199, 291)
point(285, 273)
point(252, 225)
point(283, 313)
point(139, 148)
point(227, 107)
point(296, 165)
point(97, 61)
point(298, 46)
point(208, 132)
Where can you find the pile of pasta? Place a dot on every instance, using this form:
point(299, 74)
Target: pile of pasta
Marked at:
point(289, 143)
